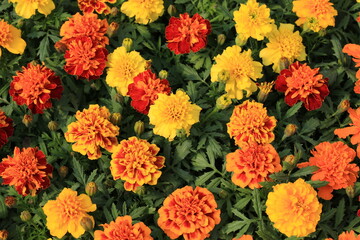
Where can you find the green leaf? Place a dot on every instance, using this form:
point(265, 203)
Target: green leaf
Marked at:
point(340, 211)
point(310, 125)
point(257, 202)
point(79, 171)
point(188, 72)
point(200, 162)
point(317, 184)
point(138, 212)
point(114, 211)
point(92, 176)
point(203, 178)
point(182, 150)
point(294, 109)
point(234, 226)
point(44, 48)
point(304, 171)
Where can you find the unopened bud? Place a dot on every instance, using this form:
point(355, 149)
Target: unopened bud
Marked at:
point(290, 130)
point(140, 190)
point(60, 47)
point(284, 63)
point(87, 223)
point(27, 119)
point(171, 10)
point(127, 44)
point(4, 234)
point(240, 40)
point(112, 28)
point(264, 90)
point(223, 102)
point(10, 201)
point(139, 127)
point(63, 171)
point(350, 191)
point(223, 194)
point(148, 64)
point(53, 126)
point(343, 106)
point(114, 11)
point(221, 39)
point(289, 159)
point(163, 74)
point(119, 98)
point(91, 188)
point(25, 216)
point(223, 76)
point(115, 118)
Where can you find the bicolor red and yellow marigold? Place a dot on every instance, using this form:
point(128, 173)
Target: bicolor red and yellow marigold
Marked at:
point(35, 86)
point(187, 34)
point(144, 11)
point(26, 8)
point(99, 6)
point(122, 228)
point(299, 82)
point(28, 171)
point(65, 213)
point(354, 51)
point(91, 131)
point(294, 208)
point(6, 128)
point(190, 213)
point(10, 38)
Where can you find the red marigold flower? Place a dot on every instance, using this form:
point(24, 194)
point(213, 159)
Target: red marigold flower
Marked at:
point(333, 161)
point(185, 34)
point(85, 59)
point(253, 164)
point(27, 171)
point(144, 91)
point(301, 83)
point(89, 6)
point(6, 128)
point(34, 86)
point(189, 212)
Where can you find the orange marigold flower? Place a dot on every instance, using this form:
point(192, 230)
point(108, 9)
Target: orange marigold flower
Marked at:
point(35, 86)
point(91, 131)
point(347, 236)
point(333, 161)
point(27, 171)
point(89, 6)
point(135, 161)
point(354, 51)
point(294, 208)
point(65, 213)
point(6, 128)
point(85, 59)
point(253, 164)
point(10, 38)
point(302, 83)
point(244, 237)
point(122, 228)
point(189, 212)
point(249, 122)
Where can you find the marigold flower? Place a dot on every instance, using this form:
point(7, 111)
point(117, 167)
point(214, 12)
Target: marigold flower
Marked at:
point(91, 131)
point(89, 6)
point(244, 237)
point(122, 68)
point(253, 164)
point(187, 34)
point(249, 123)
point(354, 51)
point(314, 14)
point(6, 128)
point(253, 20)
point(145, 89)
point(26, 8)
point(135, 161)
point(65, 213)
point(302, 83)
point(283, 43)
point(333, 161)
point(10, 38)
point(144, 11)
point(294, 208)
point(347, 236)
point(242, 69)
point(27, 171)
point(122, 228)
point(172, 113)
point(35, 86)
point(85, 59)
point(189, 212)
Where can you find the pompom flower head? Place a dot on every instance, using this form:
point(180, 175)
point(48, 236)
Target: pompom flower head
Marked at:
point(122, 228)
point(354, 51)
point(253, 20)
point(6, 128)
point(302, 83)
point(189, 212)
point(250, 123)
point(65, 213)
point(242, 71)
point(294, 208)
point(314, 15)
point(172, 113)
point(27, 171)
point(122, 68)
point(252, 164)
point(35, 86)
point(135, 161)
point(91, 131)
point(10, 38)
point(26, 8)
point(89, 6)
point(333, 161)
point(187, 34)
point(144, 11)
point(347, 236)
point(283, 43)
point(145, 89)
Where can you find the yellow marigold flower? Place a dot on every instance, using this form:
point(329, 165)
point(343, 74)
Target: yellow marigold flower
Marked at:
point(294, 208)
point(135, 161)
point(123, 67)
point(91, 131)
point(144, 11)
point(253, 20)
point(65, 213)
point(172, 113)
point(10, 38)
point(283, 43)
point(250, 123)
point(314, 14)
point(242, 69)
point(27, 8)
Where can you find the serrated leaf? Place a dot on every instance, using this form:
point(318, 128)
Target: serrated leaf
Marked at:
point(182, 150)
point(304, 171)
point(188, 72)
point(234, 226)
point(203, 178)
point(239, 214)
point(317, 184)
point(310, 125)
point(257, 203)
point(294, 109)
point(79, 171)
point(200, 162)
point(114, 211)
point(138, 212)
point(44, 48)
point(92, 176)
point(340, 211)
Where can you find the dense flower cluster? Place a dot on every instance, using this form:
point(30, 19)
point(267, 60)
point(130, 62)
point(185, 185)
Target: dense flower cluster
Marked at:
point(144, 11)
point(89, 6)
point(10, 38)
point(26, 8)
point(6, 128)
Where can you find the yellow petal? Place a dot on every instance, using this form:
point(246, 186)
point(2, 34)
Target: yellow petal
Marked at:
point(17, 45)
point(47, 7)
point(25, 9)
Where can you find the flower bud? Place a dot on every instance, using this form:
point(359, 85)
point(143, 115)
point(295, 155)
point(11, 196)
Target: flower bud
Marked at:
point(223, 193)
point(240, 40)
point(289, 159)
point(221, 39)
point(87, 223)
point(284, 63)
point(53, 126)
point(350, 191)
point(290, 130)
point(343, 106)
point(112, 28)
point(223, 76)
point(4, 234)
point(25, 216)
point(60, 47)
point(139, 127)
point(91, 189)
point(264, 90)
point(10, 201)
point(223, 101)
point(148, 64)
point(63, 171)
point(127, 43)
point(27, 119)
point(163, 74)
point(115, 118)
point(171, 10)
point(119, 98)
point(114, 11)
point(140, 190)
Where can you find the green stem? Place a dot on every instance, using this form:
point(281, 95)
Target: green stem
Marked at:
point(207, 116)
